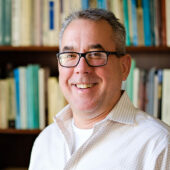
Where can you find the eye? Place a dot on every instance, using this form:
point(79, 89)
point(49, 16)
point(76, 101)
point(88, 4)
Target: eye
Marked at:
point(69, 56)
point(96, 55)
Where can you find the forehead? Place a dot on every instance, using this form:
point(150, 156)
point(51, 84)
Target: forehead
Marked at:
point(85, 31)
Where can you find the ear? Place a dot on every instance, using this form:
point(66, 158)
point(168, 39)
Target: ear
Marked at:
point(125, 66)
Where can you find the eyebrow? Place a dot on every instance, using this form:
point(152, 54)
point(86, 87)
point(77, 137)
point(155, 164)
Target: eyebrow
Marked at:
point(67, 48)
point(93, 46)
point(96, 46)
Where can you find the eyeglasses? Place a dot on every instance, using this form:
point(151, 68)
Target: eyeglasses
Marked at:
point(93, 58)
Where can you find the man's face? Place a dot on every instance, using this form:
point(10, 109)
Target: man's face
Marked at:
point(92, 90)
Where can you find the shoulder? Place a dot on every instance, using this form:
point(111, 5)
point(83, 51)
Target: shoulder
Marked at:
point(152, 126)
point(49, 134)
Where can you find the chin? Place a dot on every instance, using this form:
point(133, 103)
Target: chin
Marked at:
point(86, 108)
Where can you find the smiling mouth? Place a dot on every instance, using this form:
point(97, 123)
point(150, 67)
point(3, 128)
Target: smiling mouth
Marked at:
point(84, 86)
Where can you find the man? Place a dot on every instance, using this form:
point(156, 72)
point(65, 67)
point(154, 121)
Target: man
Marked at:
point(100, 129)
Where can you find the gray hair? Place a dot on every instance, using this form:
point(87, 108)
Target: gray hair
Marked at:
point(95, 14)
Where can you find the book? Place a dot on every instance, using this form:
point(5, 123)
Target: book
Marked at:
point(53, 22)
point(129, 3)
point(126, 21)
point(45, 20)
point(160, 78)
point(76, 5)
point(140, 26)
point(18, 113)
point(93, 3)
point(1, 22)
point(142, 90)
point(32, 96)
point(167, 5)
point(146, 18)
point(155, 96)
point(150, 91)
point(157, 23)
point(4, 99)
point(36, 68)
point(56, 100)
point(163, 23)
point(7, 23)
point(136, 87)
point(12, 103)
point(37, 19)
point(101, 4)
point(130, 80)
point(41, 87)
point(166, 96)
point(26, 24)
point(16, 23)
point(85, 4)
point(116, 6)
point(23, 98)
point(152, 20)
point(134, 23)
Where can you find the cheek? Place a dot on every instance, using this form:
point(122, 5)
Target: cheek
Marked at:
point(112, 77)
point(64, 75)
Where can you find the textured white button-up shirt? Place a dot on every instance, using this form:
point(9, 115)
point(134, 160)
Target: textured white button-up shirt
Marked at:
point(127, 139)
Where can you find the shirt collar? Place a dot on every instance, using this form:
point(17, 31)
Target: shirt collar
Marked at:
point(123, 112)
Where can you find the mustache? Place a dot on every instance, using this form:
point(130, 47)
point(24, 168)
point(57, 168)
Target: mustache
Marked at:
point(83, 79)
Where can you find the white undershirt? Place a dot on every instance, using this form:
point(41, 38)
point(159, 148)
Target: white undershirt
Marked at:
point(80, 136)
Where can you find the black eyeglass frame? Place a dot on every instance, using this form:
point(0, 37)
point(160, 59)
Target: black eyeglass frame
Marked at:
point(84, 55)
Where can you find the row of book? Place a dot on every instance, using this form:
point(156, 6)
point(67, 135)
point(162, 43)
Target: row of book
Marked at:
point(146, 22)
point(30, 98)
point(149, 90)
point(38, 22)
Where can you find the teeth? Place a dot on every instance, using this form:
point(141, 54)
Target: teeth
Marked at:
point(84, 86)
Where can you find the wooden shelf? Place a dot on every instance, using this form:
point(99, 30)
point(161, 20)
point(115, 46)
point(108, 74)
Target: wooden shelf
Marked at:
point(16, 146)
point(20, 131)
point(55, 48)
point(152, 49)
point(30, 48)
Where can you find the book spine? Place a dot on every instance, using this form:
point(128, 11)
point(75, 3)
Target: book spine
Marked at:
point(35, 97)
point(160, 76)
point(18, 116)
point(85, 4)
point(130, 79)
point(147, 27)
point(93, 3)
point(4, 104)
point(134, 23)
point(101, 4)
point(12, 103)
point(166, 96)
point(23, 102)
point(45, 23)
point(41, 87)
point(163, 24)
point(1, 22)
point(7, 22)
point(30, 96)
point(37, 23)
point(16, 23)
point(167, 23)
point(140, 26)
point(126, 21)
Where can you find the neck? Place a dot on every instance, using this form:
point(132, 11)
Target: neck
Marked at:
point(86, 123)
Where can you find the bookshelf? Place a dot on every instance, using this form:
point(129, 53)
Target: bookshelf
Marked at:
point(15, 145)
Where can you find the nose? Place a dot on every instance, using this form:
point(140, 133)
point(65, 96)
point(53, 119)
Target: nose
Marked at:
point(82, 67)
